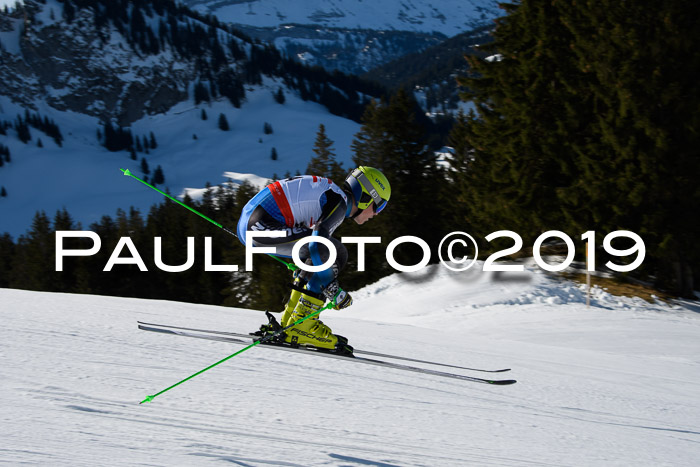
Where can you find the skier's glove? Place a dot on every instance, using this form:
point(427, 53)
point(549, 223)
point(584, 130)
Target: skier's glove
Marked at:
point(340, 298)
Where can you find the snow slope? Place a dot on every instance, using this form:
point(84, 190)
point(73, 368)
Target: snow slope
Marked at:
point(614, 384)
point(84, 177)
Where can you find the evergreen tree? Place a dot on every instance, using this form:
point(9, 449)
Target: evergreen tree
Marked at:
point(3, 192)
point(585, 122)
point(144, 166)
point(324, 163)
point(68, 11)
point(30, 268)
point(242, 290)
point(7, 252)
point(204, 114)
point(66, 280)
point(279, 96)
point(223, 123)
point(454, 194)
point(158, 177)
point(273, 154)
point(22, 128)
point(201, 93)
point(393, 141)
point(519, 161)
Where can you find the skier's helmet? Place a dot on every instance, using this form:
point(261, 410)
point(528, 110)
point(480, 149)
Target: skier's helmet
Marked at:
point(369, 187)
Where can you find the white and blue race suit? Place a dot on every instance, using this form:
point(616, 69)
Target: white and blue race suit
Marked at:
point(300, 206)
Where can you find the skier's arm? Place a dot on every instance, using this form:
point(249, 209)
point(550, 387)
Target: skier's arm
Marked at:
point(332, 213)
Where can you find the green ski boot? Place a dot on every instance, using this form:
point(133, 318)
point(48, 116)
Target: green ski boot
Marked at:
point(312, 331)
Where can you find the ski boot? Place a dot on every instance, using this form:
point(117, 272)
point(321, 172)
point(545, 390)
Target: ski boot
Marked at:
point(273, 325)
point(297, 288)
point(312, 331)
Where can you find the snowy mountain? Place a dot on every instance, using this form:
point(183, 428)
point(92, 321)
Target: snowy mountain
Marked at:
point(447, 17)
point(84, 177)
point(351, 35)
point(353, 51)
point(613, 384)
point(153, 69)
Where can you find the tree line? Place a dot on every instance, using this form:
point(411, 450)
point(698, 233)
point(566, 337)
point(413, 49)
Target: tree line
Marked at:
point(587, 120)
point(28, 263)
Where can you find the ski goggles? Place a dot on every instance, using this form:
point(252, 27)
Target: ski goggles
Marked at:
point(370, 194)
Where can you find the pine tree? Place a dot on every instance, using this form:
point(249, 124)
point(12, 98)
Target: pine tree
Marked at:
point(517, 140)
point(223, 123)
point(22, 128)
point(7, 253)
point(324, 163)
point(201, 93)
point(30, 270)
point(579, 125)
point(158, 177)
point(65, 280)
point(454, 194)
point(242, 288)
point(68, 11)
point(279, 96)
point(144, 166)
point(273, 154)
point(392, 141)
point(644, 131)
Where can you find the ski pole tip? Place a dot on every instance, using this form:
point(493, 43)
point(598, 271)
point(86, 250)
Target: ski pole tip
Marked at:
point(147, 399)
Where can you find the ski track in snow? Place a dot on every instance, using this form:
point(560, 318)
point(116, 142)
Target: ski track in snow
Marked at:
point(615, 384)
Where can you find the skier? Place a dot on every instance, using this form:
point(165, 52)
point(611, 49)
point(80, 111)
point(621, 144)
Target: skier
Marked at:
point(311, 205)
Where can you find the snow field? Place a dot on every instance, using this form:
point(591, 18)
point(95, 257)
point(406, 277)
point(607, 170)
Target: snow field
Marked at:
point(89, 184)
point(614, 384)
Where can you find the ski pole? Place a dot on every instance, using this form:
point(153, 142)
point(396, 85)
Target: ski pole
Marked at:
point(127, 172)
point(261, 341)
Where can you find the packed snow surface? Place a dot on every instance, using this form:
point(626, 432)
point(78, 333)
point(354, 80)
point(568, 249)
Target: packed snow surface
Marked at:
point(613, 384)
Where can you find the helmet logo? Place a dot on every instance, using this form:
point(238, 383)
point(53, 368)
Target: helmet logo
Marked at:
point(380, 183)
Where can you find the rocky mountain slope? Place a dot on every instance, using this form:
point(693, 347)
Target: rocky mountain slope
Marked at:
point(351, 36)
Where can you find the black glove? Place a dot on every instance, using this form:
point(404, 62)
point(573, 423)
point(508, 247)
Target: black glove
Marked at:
point(340, 298)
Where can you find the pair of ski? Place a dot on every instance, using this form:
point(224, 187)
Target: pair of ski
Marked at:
point(246, 339)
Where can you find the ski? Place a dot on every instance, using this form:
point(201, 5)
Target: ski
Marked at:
point(356, 351)
point(247, 340)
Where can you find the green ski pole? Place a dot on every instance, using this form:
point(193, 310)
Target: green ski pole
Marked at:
point(261, 341)
point(127, 172)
